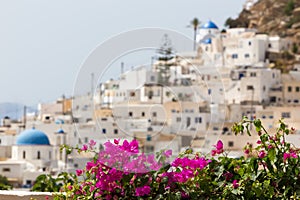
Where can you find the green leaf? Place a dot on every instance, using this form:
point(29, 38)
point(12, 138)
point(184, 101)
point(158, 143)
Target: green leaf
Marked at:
point(272, 154)
point(241, 171)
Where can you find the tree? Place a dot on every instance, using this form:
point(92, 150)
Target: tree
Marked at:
point(4, 184)
point(165, 55)
point(195, 23)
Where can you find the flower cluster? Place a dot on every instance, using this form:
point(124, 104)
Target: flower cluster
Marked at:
point(269, 170)
point(105, 175)
point(219, 148)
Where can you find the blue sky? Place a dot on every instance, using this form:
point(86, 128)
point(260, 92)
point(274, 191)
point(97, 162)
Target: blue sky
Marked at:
point(44, 43)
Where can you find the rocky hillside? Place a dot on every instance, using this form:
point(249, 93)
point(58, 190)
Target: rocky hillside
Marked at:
point(274, 17)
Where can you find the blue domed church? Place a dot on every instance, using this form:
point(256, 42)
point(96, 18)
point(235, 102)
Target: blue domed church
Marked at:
point(207, 31)
point(32, 137)
point(33, 149)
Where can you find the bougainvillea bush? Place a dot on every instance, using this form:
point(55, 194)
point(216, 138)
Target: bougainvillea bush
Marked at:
point(268, 171)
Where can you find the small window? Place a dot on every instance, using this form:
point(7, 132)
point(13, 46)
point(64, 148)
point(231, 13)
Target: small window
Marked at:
point(0, 141)
point(130, 114)
point(234, 56)
point(247, 55)
point(132, 94)
point(149, 148)
point(249, 43)
point(198, 120)
point(286, 115)
point(152, 78)
point(38, 155)
point(250, 87)
point(143, 114)
point(230, 143)
point(116, 131)
point(149, 138)
point(253, 74)
point(297, 89)
point(178, 119)
point(289, 89)
point(24, 155)
point(76, 165)
point(104, 131)
point(86, 140)
point(154, 114)
point(6, 169)
point(50, 155)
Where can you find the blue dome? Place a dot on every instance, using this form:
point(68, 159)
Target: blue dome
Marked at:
point(207, 41)
point(209, 25)
point(32, 137)
point(60, 131)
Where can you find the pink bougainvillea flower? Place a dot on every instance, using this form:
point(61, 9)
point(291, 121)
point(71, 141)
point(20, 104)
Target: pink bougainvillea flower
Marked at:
point(286, 156)
point(235, 184)
point(90, 165)
point(289, 155)
point(219, 145)
point(294, 155)
point(219, 148)
point(116, 141)
point(213, 152)
point(84, 147)
point(132, 147)
point(168, 153)
point(247, 151)
point(262, 154)
point(79, 172)
point(142, 191)
point(258, 142)
point(92, 143)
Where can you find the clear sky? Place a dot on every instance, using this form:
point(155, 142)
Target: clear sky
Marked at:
point(44, 43)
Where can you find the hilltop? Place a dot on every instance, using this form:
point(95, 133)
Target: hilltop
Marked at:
point(273, 17)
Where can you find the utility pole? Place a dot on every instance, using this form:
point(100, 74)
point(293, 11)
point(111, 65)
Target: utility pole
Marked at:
point(92, 84)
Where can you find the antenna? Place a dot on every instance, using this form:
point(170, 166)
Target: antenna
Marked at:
point(122, 68)
point(24, 116)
